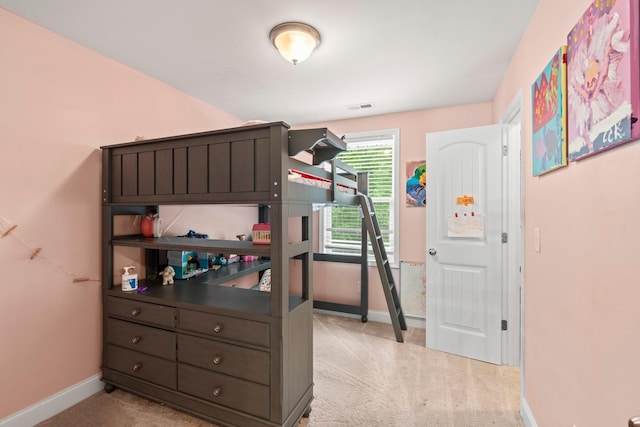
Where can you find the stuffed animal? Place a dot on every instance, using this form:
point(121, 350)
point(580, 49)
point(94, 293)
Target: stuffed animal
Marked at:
point(167, 275)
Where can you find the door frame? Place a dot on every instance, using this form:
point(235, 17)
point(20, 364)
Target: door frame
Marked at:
point(513, 270)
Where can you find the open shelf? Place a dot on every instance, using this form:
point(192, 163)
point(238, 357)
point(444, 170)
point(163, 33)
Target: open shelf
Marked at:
point(321, 143)
point(229, 272)
point(190, 294)
point(192, 244)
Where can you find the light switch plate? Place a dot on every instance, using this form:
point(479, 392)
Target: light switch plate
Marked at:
point(536, 239)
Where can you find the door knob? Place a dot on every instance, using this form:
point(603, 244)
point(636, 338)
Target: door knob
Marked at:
point(432, 251)
point(634, 422)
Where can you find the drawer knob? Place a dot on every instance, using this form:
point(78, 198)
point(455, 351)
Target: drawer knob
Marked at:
point(217, 391)
point(217, 359)
point(136, 367)
point(217, 329)
point(135, 340)
point(135, 311)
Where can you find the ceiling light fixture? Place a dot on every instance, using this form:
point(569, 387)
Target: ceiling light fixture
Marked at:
point(294, 40)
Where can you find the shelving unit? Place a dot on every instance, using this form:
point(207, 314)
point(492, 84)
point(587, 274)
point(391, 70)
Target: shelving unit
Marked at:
point(236, 357)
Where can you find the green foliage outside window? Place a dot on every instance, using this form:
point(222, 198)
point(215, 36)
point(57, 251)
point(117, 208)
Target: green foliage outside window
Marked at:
point(343, 234)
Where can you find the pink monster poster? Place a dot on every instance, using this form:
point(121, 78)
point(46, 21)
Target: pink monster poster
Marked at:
point(602, 78)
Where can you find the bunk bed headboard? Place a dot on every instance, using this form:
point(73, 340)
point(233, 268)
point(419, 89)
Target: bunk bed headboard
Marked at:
point(223, 165)
point(248, 164)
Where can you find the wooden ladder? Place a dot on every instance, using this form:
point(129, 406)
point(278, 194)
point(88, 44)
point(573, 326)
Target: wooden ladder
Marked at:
point(388, 283)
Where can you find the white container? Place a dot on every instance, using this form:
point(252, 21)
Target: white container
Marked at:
point(129, 279)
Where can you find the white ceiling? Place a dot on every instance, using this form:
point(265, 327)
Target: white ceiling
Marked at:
point(400, 55)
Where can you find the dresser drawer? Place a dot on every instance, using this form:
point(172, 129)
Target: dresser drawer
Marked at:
point(143, 366)
point(145, 339)
point(252, 365)
point(142, 312)
point(232, 392)
point(232, 328)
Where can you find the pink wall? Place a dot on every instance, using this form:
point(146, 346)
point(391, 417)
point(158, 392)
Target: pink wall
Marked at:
point(581, 292)
point(338, 283)
point(60, 102)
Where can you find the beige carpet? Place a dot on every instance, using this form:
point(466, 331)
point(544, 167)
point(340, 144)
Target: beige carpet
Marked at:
point(362, 377)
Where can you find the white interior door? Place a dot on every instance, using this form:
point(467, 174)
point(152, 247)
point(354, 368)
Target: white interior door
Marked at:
point(464, 242)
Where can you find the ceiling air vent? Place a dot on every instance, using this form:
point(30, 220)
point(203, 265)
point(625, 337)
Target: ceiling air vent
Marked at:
point(362, 106)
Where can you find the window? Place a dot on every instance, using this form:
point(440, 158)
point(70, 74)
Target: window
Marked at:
point(376, 153)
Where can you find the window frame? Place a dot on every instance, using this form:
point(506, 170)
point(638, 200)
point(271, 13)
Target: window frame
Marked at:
point(373, 136)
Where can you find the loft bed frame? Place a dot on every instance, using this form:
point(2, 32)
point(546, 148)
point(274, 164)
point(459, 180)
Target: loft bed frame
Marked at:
point(211, 167)
point(250, 165)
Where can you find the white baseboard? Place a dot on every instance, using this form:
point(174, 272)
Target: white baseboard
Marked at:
point(54, 404)
point(415, 322)
point(527, 415)
point(378, 316)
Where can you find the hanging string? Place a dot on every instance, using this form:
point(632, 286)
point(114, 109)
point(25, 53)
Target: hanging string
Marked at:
point(137, 220)
point(178, 215)
point(8, 230)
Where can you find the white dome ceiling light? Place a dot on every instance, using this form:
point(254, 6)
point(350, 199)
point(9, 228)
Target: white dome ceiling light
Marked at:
point(294, 40)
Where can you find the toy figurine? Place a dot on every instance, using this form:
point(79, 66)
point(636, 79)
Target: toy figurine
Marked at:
point(167, 275)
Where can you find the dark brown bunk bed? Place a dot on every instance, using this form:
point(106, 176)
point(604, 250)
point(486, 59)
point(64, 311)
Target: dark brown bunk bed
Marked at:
point(233, 356)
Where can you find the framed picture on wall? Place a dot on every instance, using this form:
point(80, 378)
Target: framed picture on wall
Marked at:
point(549, 99)
point(603, 78)
point(416, 184)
